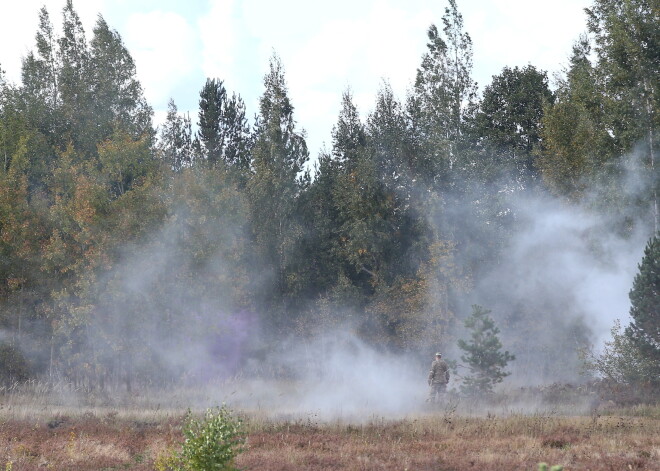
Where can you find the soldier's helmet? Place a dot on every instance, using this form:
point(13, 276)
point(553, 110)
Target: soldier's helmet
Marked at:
point(438, 354)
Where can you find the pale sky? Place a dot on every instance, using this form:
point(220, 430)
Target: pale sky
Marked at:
point(325, 47)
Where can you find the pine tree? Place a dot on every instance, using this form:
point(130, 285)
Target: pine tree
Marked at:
point(238, 141)
point(483, 353)
point(644, 329)
point(176, 143)
point(373, 192)
point(386, 131)
point(278, 159)
point(348, 135)
point(212, 99)
point(317, 263)
point(43, 78)
point(322, 202)
point(223, 130)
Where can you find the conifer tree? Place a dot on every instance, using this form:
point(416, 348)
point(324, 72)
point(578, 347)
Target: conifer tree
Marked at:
point(212, 99)
point(238, 141)
point(348, 135)
point(323, 203)
point(40, 74)
point(223, 132)
point(278, 159)
point(386, 131)
point(483, 353)
point(644, 329)
point(176, 139)
point(373, 193)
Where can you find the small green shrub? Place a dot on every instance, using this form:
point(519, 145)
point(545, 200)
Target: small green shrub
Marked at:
point(212, 443)
point(169, 460)
point(544, 467)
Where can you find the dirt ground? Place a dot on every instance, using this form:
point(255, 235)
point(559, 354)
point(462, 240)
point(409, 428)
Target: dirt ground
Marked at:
point(109, 440)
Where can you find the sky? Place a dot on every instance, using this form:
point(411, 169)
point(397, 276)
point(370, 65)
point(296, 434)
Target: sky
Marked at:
point(325, 47)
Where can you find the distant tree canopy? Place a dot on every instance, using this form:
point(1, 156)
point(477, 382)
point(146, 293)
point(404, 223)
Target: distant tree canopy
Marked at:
point(217, 232)
point(508, 121)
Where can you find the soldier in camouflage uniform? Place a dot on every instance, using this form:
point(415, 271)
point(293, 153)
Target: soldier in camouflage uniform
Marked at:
point(438, 377)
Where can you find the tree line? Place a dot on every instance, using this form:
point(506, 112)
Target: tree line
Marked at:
point(119, 240)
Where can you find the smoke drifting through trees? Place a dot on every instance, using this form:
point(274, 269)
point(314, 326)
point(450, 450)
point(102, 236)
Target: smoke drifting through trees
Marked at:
point(130, 264)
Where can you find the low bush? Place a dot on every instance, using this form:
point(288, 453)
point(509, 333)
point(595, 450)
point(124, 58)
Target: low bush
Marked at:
point(544, 467)
point(211, 443)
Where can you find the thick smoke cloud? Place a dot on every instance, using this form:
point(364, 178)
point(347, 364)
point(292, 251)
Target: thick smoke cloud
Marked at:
point(564, 280)
point(336, 375)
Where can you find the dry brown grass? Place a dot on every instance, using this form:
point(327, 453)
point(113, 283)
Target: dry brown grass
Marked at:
point(434, 443)
point(95, 439)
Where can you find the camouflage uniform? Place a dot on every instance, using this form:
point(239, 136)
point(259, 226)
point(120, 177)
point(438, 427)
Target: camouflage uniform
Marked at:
point(438, 378)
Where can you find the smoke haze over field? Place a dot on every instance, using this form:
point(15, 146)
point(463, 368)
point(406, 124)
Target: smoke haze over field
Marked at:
point(204, 257)
point(564, 281)
point(166, 316)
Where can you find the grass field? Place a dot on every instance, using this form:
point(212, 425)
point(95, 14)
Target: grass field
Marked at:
point(37, 435)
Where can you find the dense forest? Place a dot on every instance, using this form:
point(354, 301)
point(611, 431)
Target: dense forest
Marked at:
point(127, 251)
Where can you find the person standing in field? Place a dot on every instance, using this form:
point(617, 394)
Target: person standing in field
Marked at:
point(438, 378)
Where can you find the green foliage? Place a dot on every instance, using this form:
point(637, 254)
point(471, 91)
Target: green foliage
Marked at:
point(169, 460)
point(406, 211)
point(627, 45)
point(13, 365)
point(125, 161)
point(444, 96)
point(633, 357)
point(348, 135)
point(621, 361)
point(644, 329)
point(544, 467)
point(223, 131)
point(578, 151)
point(213, 442)
point(118, 99)
point(509, 119)
point(278, 158)
point(176, 145)
point(80, 93)
point(483, 353)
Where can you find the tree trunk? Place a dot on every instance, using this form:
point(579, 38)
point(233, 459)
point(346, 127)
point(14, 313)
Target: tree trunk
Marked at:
point(50, 363)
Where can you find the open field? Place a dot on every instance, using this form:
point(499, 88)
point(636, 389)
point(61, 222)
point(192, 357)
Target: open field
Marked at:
point(45, 436)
